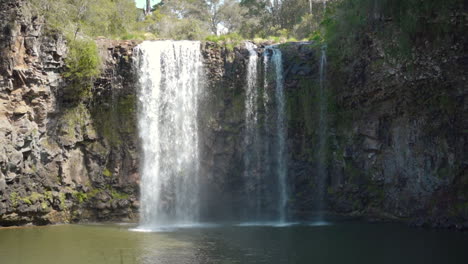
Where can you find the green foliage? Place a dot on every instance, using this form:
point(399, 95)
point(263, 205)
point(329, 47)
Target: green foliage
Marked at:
point(14, 198)
point(82, 60)
point(118, 195)
point(62, 200)
point(30, 199)
point(317, 37)
point(107, 172)
point(44, 205)
point(48, 196)
point(80, 197)
point(197, 19)
point(110, 18)
point(347, 23)
point(82, 67)
point(138, 35)
point(180, 19)
point(229, 40)
point(115, 123)
point(74, 119)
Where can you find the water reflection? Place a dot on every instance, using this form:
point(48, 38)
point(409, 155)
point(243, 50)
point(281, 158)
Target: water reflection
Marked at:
point(301, 243)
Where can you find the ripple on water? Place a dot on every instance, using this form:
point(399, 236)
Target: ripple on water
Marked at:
point(172, 227)
point(268, 224)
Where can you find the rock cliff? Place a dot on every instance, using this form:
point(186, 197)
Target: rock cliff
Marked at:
point(399, 142)
point(395, 142)
point(61, 162)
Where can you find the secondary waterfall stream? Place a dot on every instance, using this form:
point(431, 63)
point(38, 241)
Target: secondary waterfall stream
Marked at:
point(265, 155)
point(169, 80)
point(252, 144)
point(322, 137)
point(281, 134)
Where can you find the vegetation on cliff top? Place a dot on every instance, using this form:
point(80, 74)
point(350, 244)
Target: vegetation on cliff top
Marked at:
point(400, 24)
point(182, 19)
point(341, 21)
point(81, 18)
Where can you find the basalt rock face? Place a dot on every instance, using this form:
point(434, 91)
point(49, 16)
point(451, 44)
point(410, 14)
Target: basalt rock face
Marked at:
point(221, 130)
point(61, 162)
point(400, 146)
point(301, 64)
point(398, 141)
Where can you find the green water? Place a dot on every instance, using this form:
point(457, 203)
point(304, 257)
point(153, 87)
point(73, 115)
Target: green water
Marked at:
point(337, 243)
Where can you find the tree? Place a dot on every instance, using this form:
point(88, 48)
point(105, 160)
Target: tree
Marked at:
point(88, 17)
point(232, 14)
point(227, 14)
point(214, 12)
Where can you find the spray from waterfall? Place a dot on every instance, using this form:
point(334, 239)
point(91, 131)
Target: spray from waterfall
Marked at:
point(169, 85)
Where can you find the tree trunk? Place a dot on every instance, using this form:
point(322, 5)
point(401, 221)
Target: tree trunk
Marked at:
point(148, 7)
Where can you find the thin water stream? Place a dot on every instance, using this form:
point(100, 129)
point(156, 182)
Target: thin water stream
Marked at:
point(281, 134)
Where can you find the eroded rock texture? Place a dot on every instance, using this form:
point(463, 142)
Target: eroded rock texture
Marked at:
point(396, 132)
point(400, 143)
point(61, 162)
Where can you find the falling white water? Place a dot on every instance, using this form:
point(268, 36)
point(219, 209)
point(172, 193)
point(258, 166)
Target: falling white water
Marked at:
point(251, 91)
point(266, 98)
point(251, 136)
point(322, 137)
point(281, 133)
point(266, 141)
point(169, 85)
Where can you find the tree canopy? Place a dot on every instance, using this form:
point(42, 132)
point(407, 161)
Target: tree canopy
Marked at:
point(183, 19)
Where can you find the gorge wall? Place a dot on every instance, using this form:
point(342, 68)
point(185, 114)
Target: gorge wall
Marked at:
point(395, 148)
point(398, 139)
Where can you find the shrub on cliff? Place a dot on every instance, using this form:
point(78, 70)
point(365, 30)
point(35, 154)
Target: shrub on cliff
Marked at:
point(82, 60)
point(82, 67)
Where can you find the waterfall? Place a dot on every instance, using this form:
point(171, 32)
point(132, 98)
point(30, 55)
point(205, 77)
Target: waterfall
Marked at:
point(322, 136)
point(251, 137)
point(265, 158)
point(169, 85)
point(281, 134)
point(266, 98)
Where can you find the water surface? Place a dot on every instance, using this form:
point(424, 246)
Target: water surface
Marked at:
point(348, 242)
